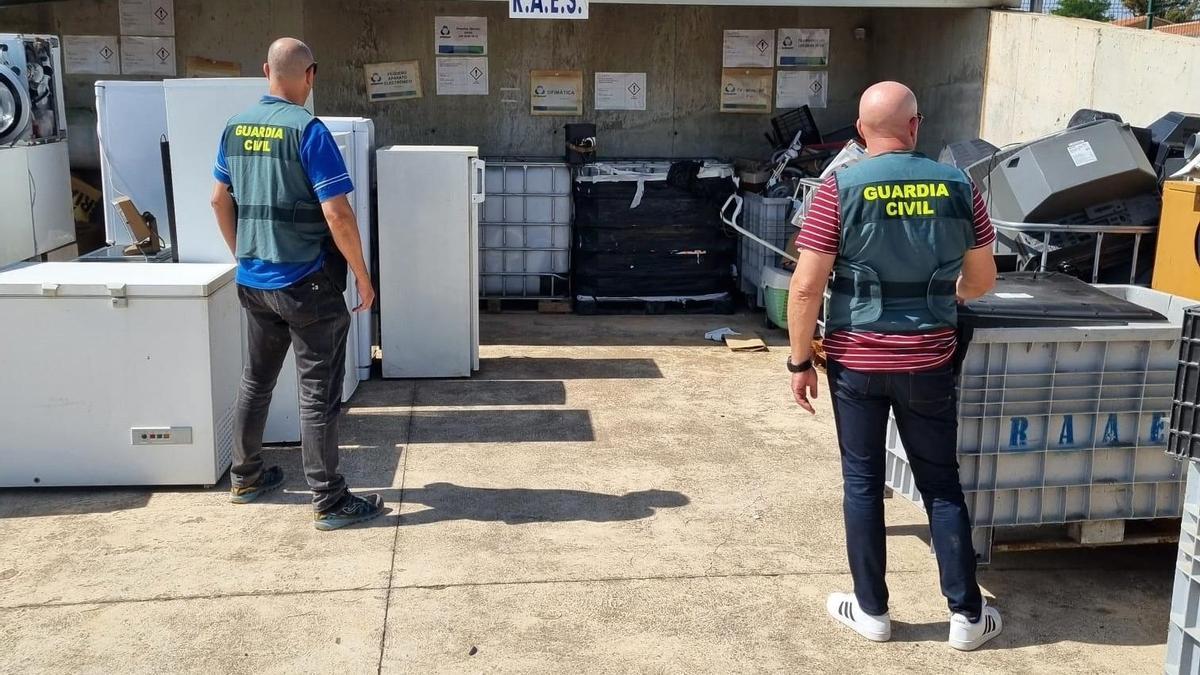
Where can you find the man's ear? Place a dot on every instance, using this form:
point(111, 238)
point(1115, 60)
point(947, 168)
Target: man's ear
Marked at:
point(267, 70)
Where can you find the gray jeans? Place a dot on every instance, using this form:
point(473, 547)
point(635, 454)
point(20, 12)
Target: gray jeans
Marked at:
point(311, 317)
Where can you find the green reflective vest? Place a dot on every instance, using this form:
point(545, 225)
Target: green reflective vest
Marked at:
point(279, 216)
point(907, 223)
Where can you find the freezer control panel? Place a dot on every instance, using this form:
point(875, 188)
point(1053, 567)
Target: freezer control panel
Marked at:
point(162, 435)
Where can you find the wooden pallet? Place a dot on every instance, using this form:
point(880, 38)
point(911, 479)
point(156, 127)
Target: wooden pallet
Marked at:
point(1085, 535)
point(500, 305)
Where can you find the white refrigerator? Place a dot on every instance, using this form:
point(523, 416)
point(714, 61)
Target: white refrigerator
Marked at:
point(359, 160)
point(144, 377)
point(428, 211)
point(131, 122)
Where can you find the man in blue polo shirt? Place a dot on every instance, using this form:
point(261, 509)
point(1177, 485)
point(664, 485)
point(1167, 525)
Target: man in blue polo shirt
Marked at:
point(280, 201)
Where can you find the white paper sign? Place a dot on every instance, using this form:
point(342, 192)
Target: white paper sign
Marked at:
point(804, 47)
point(148, 56)
point(148, 17)
point(547, 9)
point(1082, 153)
point(795, 88)
point(748, 49)
point(462, 76)
point(620, 91)
point(460, 35)
point(91, 54)
point(393, 81)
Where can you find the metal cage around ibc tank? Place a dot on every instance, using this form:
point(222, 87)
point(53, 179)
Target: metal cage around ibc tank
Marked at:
point(525, 231)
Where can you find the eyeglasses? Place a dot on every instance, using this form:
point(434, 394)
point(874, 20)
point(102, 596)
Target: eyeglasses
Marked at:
point(920, 117)
point(313, 67)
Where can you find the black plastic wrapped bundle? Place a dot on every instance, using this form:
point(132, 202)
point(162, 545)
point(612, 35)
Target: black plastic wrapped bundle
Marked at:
point(671, 244)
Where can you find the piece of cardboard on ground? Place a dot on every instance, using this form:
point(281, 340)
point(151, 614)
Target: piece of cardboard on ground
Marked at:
point(745, 343)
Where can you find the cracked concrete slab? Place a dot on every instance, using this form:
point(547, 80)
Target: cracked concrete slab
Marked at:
point(307, 632)
point(609, 494)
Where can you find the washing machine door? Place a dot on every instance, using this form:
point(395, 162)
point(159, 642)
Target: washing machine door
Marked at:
point(14, 106)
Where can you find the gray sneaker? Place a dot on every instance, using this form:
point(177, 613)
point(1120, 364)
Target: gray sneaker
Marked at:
point(268, 481)
point(350, 510)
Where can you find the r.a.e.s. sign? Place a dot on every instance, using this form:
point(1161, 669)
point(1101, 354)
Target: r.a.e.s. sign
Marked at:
point(548, 9)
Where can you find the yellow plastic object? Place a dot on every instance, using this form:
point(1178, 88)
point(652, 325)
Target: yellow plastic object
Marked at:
point(1177, 260)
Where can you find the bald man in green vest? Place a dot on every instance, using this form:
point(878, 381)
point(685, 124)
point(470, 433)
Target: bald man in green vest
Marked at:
point(280, 201)
point(906, 239)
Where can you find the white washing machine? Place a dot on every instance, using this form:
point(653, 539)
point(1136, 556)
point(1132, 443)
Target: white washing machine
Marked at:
point(32, 108)
point(35, 174)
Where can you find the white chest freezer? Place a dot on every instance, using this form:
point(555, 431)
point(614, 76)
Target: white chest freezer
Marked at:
point(429, 199)
point(117, 374)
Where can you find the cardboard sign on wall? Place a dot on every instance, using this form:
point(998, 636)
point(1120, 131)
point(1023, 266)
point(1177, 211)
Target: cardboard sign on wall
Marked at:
point(556, 92)
point(746, 90)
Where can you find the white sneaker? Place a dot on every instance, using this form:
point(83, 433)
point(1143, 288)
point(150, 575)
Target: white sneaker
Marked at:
point(844, 607)
point(966, 636)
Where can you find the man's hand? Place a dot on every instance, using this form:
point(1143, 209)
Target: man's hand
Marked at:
point(804, 387)
point(366, 293)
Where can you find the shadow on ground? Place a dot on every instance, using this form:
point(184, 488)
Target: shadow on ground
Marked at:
point(535, 368)
point(51, 501)
point(518, 506)
point(570, 330)
point(484, 393)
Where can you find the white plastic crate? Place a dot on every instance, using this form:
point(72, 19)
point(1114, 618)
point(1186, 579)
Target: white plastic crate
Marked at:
point(1060, 425)
point(768, 219)
point(1183, 635)
point(525, 233)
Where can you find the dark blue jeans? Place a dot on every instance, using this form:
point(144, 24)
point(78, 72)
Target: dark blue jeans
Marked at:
point(925, 406)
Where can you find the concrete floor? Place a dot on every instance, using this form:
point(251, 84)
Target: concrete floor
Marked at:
point(609, 494)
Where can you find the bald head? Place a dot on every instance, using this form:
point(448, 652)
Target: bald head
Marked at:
point(288, 59)
point(290, 69)
point(887, 115)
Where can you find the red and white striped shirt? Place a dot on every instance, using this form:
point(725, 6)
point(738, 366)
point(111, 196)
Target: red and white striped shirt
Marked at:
point(881, 352)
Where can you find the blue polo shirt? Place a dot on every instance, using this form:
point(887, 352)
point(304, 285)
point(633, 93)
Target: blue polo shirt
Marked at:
point(327, 173)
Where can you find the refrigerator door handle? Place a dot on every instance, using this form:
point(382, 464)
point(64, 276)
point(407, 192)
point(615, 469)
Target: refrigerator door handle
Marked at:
point(479, 166)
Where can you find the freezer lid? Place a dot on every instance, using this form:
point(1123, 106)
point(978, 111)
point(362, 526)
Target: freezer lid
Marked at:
point(468, 150)
point(146, 280)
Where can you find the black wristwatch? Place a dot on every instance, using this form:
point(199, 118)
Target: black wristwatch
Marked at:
point(799, 367)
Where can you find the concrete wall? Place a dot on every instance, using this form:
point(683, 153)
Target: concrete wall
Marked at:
point(1041, 69)
point(941, 55)
point(678, 47)
point(939, 52)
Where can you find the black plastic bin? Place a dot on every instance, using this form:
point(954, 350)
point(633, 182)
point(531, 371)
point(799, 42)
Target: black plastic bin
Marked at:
point(1184, 438)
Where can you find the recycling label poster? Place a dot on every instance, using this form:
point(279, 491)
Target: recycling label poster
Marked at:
point(804, 47)
point(556, 92)
point(394, 81)
point(746, 90)
point(460, 35)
